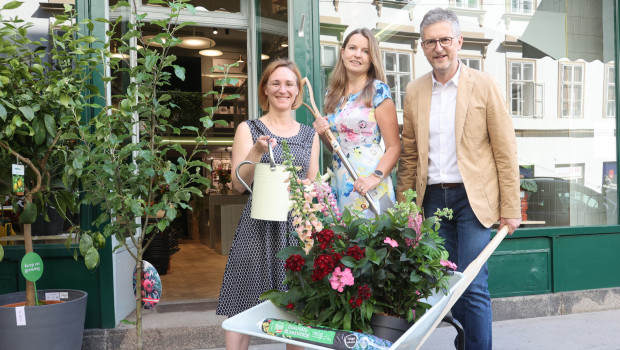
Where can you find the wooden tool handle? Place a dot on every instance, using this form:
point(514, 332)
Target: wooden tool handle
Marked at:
point(468, 276)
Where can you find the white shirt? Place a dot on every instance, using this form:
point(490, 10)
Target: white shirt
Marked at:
point(442, 165)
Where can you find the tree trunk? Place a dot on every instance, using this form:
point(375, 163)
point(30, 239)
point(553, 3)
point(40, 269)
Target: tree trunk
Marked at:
point(30, 300)
point(139, 344)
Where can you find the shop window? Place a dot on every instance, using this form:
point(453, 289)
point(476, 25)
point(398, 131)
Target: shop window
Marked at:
point(610, 91)
point(398, 73)
point(525, 95)
point(571, 90)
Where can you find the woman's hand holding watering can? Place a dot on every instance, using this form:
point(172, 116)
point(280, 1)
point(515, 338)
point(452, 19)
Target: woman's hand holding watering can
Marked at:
point(261, 145)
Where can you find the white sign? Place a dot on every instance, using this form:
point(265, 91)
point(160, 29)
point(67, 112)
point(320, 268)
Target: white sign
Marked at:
point(52, 296)
point(20, 316)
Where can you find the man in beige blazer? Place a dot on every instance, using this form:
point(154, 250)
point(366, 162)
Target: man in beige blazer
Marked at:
point(459, 152)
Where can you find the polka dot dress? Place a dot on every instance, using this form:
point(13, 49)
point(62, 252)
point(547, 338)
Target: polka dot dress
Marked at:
point(252, 267)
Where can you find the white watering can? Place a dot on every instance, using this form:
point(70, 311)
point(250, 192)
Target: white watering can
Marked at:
point(270, 198)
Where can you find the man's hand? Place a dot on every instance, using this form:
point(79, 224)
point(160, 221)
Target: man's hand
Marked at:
point(511, 223)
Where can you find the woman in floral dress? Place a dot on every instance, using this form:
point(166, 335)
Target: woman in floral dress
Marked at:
point(360, 113)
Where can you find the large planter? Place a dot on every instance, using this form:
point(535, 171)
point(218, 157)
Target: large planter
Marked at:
point(57, 326)
point(388, 327)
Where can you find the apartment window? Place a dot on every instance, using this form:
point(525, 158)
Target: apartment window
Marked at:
point(329, 55)
point(475, 63)
point(522, 7)
point(610, 92)
point(571, 91)
point(398, 72)
point(466, 4)
point(526, 97)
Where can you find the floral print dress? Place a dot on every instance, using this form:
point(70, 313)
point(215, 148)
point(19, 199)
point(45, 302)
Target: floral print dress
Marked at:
point(357, 131)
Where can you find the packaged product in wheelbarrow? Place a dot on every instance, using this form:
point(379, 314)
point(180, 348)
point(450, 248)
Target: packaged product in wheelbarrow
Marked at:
point(327, 337)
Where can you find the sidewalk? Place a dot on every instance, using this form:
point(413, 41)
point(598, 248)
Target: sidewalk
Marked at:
point(592, 331)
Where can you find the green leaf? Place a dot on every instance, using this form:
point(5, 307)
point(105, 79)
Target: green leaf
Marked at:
point(2, 113)
point(12, 5)
point(50, 125)
point(64, 100)
point(91, 259)
point(27, 112)
point(179, 71)
point(150, 62)
point(86, 242)
point(288, 251)
point(1, 253)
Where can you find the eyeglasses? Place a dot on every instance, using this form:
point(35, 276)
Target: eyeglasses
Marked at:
point(431, 44)
point(276, 85)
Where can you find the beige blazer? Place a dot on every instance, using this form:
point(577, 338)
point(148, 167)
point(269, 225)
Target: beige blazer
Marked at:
point(486, 148)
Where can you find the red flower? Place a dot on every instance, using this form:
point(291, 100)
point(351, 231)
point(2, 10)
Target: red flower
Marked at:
point(364, 292)
point(294, 262)
point(356, 252)
point(324, 236)
point(355, 302)
point(290, 306)
point(323, 265)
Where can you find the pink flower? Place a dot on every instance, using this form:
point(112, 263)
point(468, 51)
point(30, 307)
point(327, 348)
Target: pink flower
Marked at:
point(340, 279)
point(448, 264)
point(391, 242)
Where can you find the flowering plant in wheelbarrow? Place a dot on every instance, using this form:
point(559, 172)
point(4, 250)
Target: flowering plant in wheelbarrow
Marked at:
point(347, 267)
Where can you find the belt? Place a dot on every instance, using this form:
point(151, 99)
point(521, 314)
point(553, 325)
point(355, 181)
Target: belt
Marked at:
point(447, 185)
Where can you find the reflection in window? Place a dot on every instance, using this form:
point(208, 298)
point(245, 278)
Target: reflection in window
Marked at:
point(329, 55)
point(465, 4)
point(610, 91)
point(526, 97)
point(523, 7)
point(398, 73)
point(230, 6)
point(571, 95)
point(474, 63)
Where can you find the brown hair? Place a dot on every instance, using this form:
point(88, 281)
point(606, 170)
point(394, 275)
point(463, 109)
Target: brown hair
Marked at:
point(263, 100)
point(338, 81)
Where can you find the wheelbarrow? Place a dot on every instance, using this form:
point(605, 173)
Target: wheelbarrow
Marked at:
point(249, 322)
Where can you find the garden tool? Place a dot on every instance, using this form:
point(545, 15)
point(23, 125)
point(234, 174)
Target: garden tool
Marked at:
point(385, 201)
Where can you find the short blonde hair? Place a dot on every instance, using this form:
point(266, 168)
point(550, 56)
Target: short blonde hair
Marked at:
point(263, 100)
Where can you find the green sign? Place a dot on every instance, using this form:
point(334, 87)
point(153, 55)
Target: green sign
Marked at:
point(32, 267)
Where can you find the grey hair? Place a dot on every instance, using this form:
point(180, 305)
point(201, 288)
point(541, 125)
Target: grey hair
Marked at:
point(441, 15)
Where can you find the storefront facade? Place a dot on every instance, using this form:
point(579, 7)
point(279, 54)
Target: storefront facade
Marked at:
point(554, 62)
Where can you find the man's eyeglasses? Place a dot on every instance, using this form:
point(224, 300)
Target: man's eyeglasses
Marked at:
point(276, 85)
point(431, 44)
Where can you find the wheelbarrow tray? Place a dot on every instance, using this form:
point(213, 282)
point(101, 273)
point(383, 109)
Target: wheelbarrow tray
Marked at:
point(250, 321)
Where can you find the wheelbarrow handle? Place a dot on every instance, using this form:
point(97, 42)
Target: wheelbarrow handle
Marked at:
point(336, 147)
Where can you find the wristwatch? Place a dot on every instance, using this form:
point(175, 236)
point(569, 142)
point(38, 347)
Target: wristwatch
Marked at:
point(378, 173)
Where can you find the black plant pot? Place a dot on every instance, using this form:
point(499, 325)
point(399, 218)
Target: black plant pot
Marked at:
point(388, 327)
point(50, 327)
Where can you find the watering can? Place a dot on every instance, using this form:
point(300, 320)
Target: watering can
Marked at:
point(270, 198)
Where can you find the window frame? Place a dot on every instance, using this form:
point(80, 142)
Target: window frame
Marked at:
point(609, 84)
point(323, 67)
point(509, 7)
point(468, 58)
point(538, 104)
point(570, 113)
point(453, 4)
point(398, 90)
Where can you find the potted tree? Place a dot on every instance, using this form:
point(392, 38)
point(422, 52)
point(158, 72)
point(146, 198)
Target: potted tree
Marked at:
point(121, 154)
point(42, 96)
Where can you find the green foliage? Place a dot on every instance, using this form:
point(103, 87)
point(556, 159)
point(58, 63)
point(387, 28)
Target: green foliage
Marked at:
point(41, 101)
point(529, 185)
point(349, 267)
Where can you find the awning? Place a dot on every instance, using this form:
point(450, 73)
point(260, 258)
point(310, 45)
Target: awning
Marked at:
point(545, 35)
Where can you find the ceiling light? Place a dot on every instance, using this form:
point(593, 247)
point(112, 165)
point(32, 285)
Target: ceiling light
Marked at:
point(264, 57)
point(214, 31)
point(196, 42)
point(240, 60)
point(210, 52)
point(119, 55)
point(284, 45)
point(148, 40)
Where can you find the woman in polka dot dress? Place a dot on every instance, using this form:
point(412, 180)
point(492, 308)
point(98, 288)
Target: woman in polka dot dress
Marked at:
point(252, 266)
